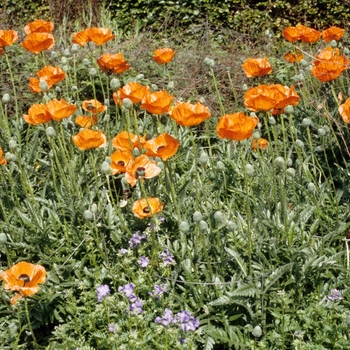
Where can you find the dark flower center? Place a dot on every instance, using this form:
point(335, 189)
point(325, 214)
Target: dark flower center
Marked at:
point(121, 163)
point(140, 171)
point(146, 210)
point(160, 147)
point(25, 278)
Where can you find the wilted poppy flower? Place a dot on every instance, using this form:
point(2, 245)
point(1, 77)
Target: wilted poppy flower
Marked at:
point(164, 55)
point(237, 126)
point(141, 167)
point(293, 57)
point(81, 38)
point(344, 111)
point(145, 208)
point(259, 144)
point(99, 36)
point(86, 121)
point(3, 161)
point(127, 141)
point(267, 97)
point(87, 139)
point(37, 42)
point(163, 146)
point(59, 110)
point(157, 102)
point(23, 278)
point(308, 35)
point(37, 114)
point(39, 26)
point(332, 33)
point(93, 106)
point(256, 67)
point(133, 91)
point(52, 75)
point(116, 63)
point(120, 159)
point(7, 37)
point(187, 114)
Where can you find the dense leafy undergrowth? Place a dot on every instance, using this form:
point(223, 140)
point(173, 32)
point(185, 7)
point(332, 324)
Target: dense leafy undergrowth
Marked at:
point(166, 218)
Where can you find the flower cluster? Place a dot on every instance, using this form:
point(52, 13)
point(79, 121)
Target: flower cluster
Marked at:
point(136, 303)
point(102, 291)
point(183, 319)
point(334, 295)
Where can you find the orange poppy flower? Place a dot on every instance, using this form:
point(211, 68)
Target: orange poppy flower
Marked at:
point(163, 146)
point(293, 57)
point(81, 38)
point(309, 35)
point(157, 102)
point(141, 167)
point(86, 121)
point(37, 114)
point(327, 54)
point(59, 110)
point(332, 33)
point(164, 55)
point(115, 62)
point(259, 144)
point(51, 75)
point(99, 36)
point(127, 141)
point(145, 208)
point(120, 159)
point(23, 278)
point(133, 91)
point(7, 37)
point(267, 97)
point(39, 26)
point(291, 34)
point(3, 160)
point(237, 126)
point(93, 106)
point(256, 67)
point(37, 42)
point(187, 114)
point(344, 111)
point(87, 139)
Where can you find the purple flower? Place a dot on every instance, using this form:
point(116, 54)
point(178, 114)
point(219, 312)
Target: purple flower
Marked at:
point(136, 306)
point(143, 261)
point(167, 257)
point(186, 320)
point(166, 319)
point(127, 289)
point(111, 328)
point(334, 295)
point(159, 290)
point(135, 239)
point(123, 251)
point(102, 291)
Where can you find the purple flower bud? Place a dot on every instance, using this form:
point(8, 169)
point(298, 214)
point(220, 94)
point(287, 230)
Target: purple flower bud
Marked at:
point(136, 306)
point(143, 261)
point(135, 239)
point(167, 257)
point(111, 328)
point(102, 291)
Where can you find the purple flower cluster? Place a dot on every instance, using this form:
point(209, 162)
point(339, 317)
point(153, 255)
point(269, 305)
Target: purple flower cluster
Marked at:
point(136, 239)
point(184, 319)
point(143, 261)
point(334, 295)
point(167, 257)
point(102, 291)
point(159, 290)
point(136, 303)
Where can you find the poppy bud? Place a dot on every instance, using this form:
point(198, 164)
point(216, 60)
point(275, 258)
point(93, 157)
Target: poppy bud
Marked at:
point(220, 166)
point(6, 98)
point(326, 129)
point(127, 103)
point(106, 102)
point(154, 87)
point(65, 68)
point(10, 157)
point(75, 48)
point(197, 216)
point(50, 132)
point(256, 135)
point(218, 216)
point(306, 122)
point(289, 162)
point(108, 160)
point(88, 215)
point(92, 72)
point(299, 143)
point(86, 62)
point(203, 225)
point(58, 89)
point(304, 63)
point(290, 172)
point(288, 109)
point(184, 226)
point(279, 162)
point(272, 121)
point(64, 60)
point(204, 158)
point(114, 84)
point(94, 208)
point(106, 169)
point(3, 238)
point(12, 145)
point(346, 51)
point(43, 85)
point(333, 43)
point(54, 54)
point(257, 332)
point(74, 88)
point(51, 154)
point(139, 76)
point(311, 187)
point(160, 165)
point(230, 225)
point(171, 85)
point(245, 87)
point(135, 152)
point(66, 53)
point(321, 132)
point(249, 169)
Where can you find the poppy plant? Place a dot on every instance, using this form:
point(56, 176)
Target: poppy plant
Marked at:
point(256, 67)
point(163, 146)
point(59, 110)
point(157, 102)
point(127, 141)
point(37, 114)
point(23, 278)
point(38, 42)
point(39, 26)
point(3, 160)
point(187, 114)
point(344, 111)
point(82, 38)
point(145, 208)
point(141, 167)
point(99, 36)
point(51, 75)
point(7, 37)
point(300, 32)
point(86, 121)
point(87, 139)
point(133, 91)
point(237, 126)
point(93, 106)
point(115, 63)
point(164, 55)
point(332, 33)
point(120, 159)
point(260, 144)
point(293, 57)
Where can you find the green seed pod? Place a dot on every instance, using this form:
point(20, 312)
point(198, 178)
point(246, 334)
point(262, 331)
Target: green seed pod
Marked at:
point(10, 157)
point(88, 215)
point(12, 145)
point(290, 172)
point(208, 61)
point(230, 225)
point(257, 332)
point(93, 72)
point(75, 48)
point(127, 103)
point(203, 226)
point(51, 154)
point(333, 43)
point(171, 85)
point(306, 122)
point(311, 187)
point(220, 166)
point(108, 160)
point(160, 165)
point(279, 162)
point(204, 158)
point(197, 216)
point(154, 87)
point(299, 143)
point(288, 109)
point(86, 62)
point(114, 84)
point(245, 87)
point(184, 227)
point(58, 89)
point(346, 51)
point(54, 54)
point(321, 132)
point(94, 208)
point(65, 68)
point(74, 88)
point(249, 169)
point(139, 76)
point(304, 63)
point(50, 132)
point(218, 216)
point(256, 135)
point(43, 85)
point(3, 238)
point(326, 129)
point(6, 98)
point(106, 169)
point(64, 60)
point(272, 120)
point(135, 152)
